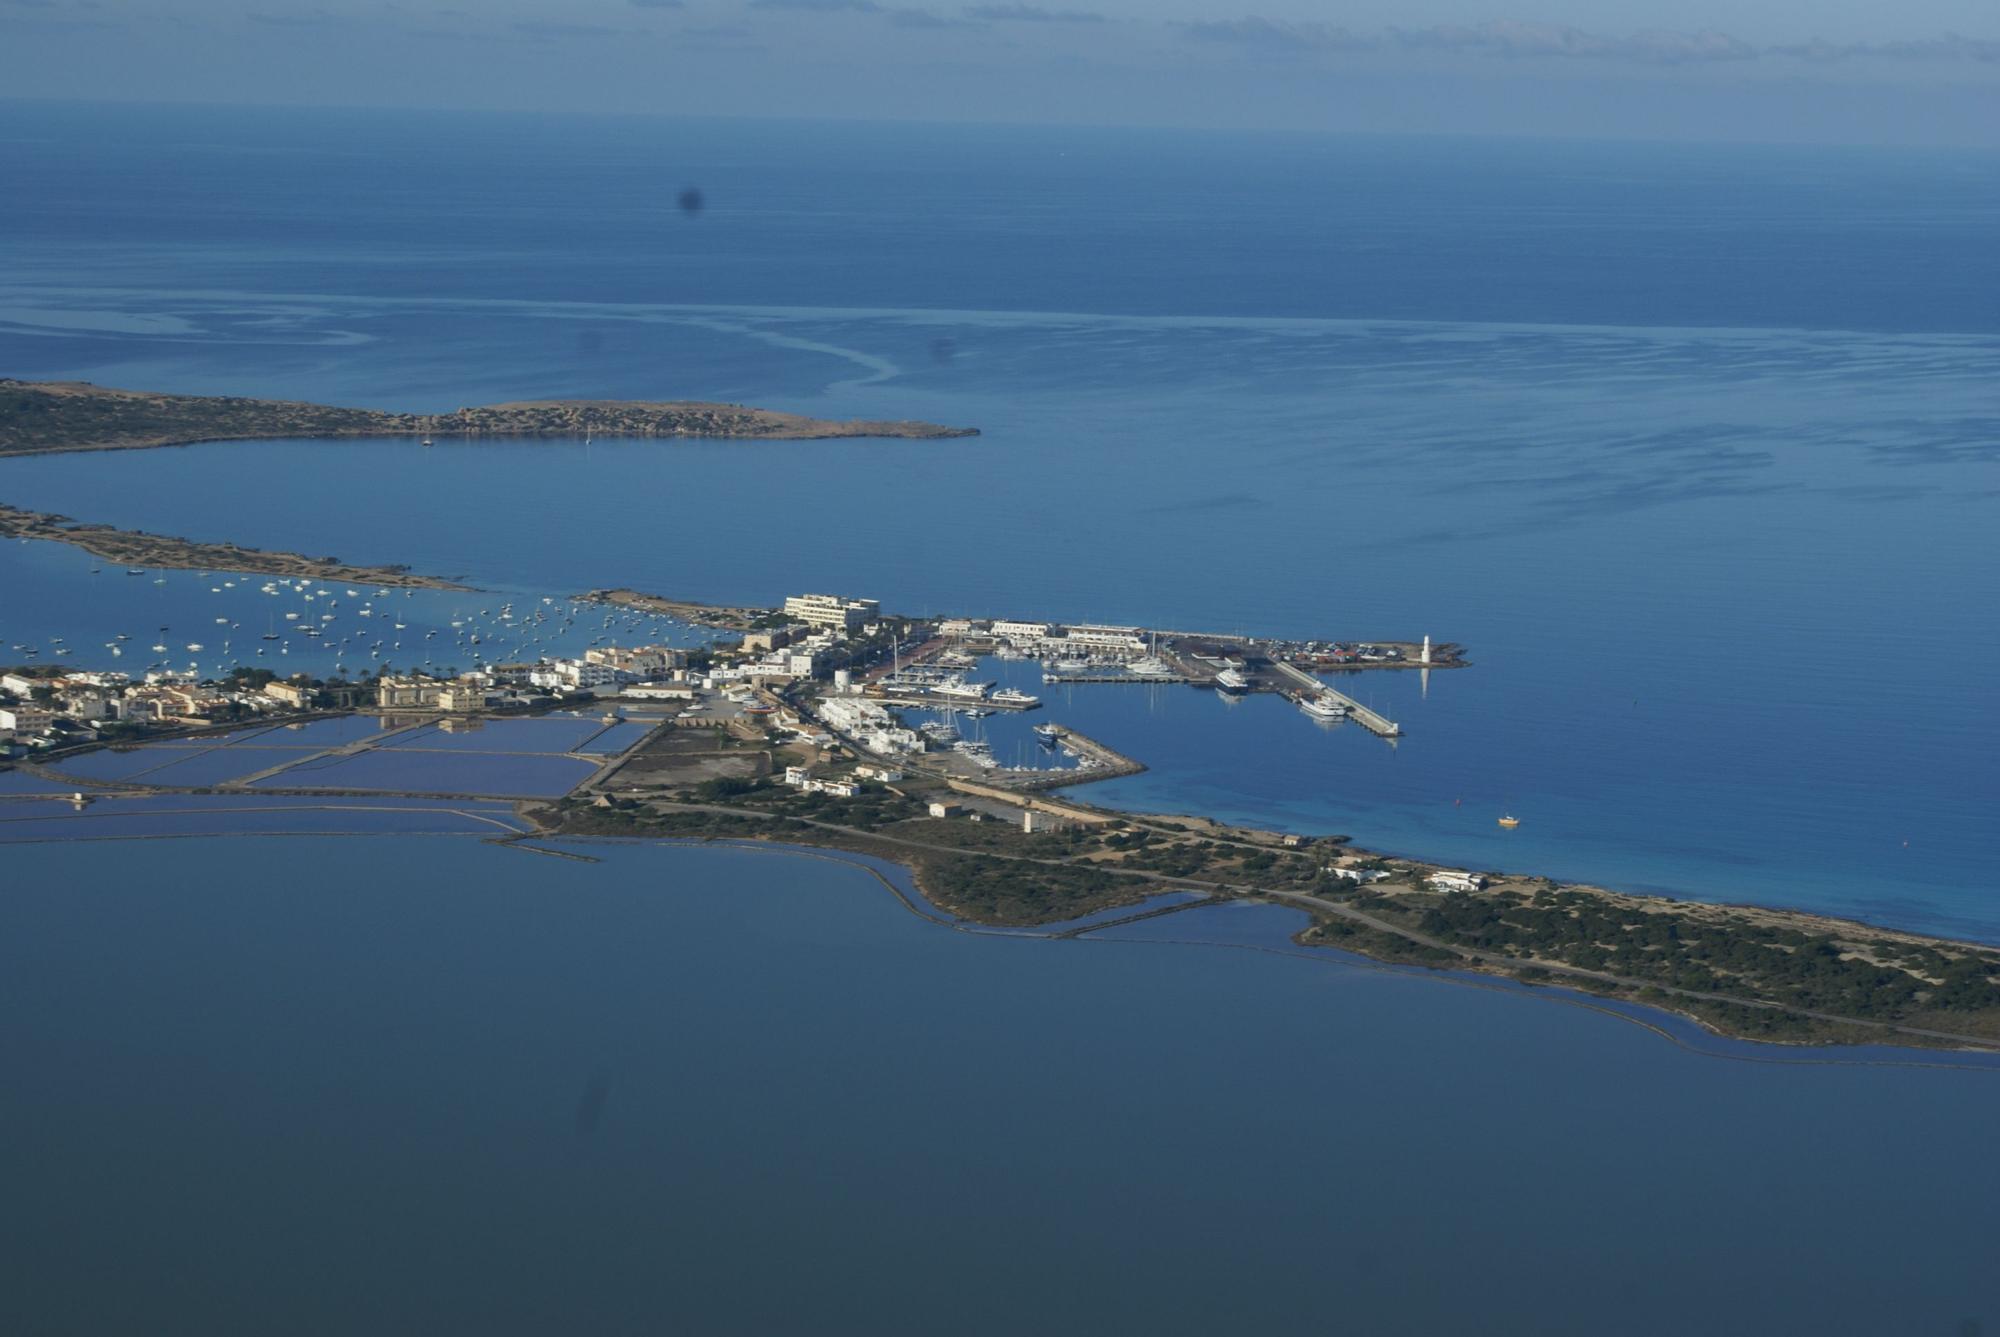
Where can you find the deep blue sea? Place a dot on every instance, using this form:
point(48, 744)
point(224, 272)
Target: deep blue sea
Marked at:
point(1696, 449)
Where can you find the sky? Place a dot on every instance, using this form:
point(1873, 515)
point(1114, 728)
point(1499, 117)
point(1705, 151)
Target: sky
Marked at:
point(1834, 71)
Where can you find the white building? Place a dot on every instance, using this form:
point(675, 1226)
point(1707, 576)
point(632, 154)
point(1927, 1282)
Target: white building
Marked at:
point(1094, 636)
point(1449, 879)
point(25, 720)
point(463, 697)
point(806, 663)
point(573, 675)
point(888, 775)
point(801, 779)
point(407, 693)
point(641, 663)
point(845, 616)
point(852, 714)
point(1021, 631)
point(654, 691)
point(870, 725)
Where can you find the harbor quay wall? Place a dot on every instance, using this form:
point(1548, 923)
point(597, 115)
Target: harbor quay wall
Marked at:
point(1032, 802)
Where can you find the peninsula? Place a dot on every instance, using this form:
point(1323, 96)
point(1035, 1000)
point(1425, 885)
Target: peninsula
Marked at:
point(825, 722)
point(44, 417)
point(137, 548)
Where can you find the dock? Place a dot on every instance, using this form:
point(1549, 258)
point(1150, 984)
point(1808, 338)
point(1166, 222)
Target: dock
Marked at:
point(930, 701)
point(1053, 677)
point(1362, 715)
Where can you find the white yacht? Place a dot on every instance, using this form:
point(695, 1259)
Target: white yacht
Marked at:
point(957, 686)
point(1232, 679)
point(1014, 696)
point(1322, 707)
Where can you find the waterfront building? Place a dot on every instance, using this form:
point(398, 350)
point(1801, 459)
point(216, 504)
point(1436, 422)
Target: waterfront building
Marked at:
point(141, 706)
point(1448, 879)
point(1020, 631)
point(870, 725)
point(652, 691)
point(462, 697)
point(852, 713)
point(572, 675)
point(88, 705)
point(191, 702)
point(26, 720)
point(845, 616)
point(396, 692)
point(1094, 636)
point(297, 695)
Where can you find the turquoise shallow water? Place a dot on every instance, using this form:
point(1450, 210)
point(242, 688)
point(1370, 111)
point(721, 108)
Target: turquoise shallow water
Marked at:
point(430, 1084)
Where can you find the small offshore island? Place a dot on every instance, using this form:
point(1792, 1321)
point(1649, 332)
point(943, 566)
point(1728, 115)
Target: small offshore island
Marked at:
point(791, 730)
point(45, 417)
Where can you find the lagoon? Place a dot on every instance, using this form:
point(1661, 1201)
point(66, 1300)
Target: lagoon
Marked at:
point(430, 1083)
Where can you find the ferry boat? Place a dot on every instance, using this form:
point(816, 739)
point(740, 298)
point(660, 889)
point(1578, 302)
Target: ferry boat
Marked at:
point(1322, 708)
point(1014, 696)
point(957, 686)
point(1510, 822)
point(1048, 733)
point(1232, 680)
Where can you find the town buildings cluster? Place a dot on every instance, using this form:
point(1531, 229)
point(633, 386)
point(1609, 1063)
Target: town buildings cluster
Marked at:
point(40, 712)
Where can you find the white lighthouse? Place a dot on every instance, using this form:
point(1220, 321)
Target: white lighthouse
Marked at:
point(1427, 652)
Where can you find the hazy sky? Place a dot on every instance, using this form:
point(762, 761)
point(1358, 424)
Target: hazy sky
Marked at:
point(1917, 71)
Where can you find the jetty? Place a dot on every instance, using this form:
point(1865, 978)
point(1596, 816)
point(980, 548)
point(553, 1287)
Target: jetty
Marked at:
point(1368, 719)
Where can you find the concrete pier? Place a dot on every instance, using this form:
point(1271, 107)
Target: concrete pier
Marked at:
point(1362, 715)
point(1054, 677)
point(927, 701)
